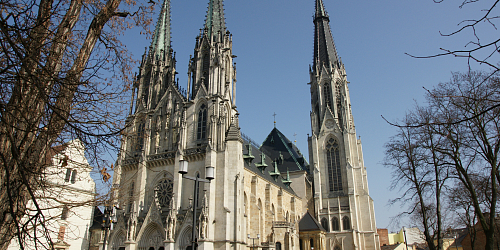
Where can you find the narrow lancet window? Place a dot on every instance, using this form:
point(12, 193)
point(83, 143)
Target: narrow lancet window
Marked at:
point(333, 164)
point(202, 123)
point(327, 93)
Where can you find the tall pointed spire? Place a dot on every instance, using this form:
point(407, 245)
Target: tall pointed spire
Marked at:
point(215, 20)
point(161, 37)
point(325, 53)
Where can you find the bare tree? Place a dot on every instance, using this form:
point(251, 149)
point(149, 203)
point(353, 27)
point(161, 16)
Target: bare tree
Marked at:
point(63, 75)
point(481, 48)
point(417, 172)
point(465, 119)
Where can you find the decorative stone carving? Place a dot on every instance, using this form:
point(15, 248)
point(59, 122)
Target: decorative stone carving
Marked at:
point(204, 218)
point(171, 220)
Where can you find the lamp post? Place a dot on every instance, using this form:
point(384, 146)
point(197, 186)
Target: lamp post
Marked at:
point(406, 242)
point(455, 236)
point(209, 175)
point(107, 222)
point(253, 240)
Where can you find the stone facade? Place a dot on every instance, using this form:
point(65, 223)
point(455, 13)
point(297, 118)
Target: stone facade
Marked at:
point(66, 203)
point(254, 191)
point(342, 201)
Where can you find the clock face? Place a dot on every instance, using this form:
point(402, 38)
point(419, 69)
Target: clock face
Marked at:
point(163, 191)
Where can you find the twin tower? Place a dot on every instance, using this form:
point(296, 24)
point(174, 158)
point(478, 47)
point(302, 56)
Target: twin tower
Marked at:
point(261, 196)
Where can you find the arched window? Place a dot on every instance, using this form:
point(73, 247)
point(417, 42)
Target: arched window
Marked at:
point(73, 176)
point(340, 110)
point(206, 68)
point(140, 137)
point(333, 164)
point(163, 193)
point(335, 224)
point(324, 224)
point(337, 247)
point(346, 223)
point(131, 197)
point(202, 123)
point(327, 93)
point(278, 245)
point(68, 175)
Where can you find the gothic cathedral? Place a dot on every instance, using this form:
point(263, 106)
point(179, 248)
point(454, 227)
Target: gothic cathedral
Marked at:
point(263, 196)
point(341, 199)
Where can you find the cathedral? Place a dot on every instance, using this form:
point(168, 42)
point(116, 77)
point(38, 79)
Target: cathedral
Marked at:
point(186, 178)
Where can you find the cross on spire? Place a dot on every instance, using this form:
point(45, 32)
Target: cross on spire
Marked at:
point(274, 119)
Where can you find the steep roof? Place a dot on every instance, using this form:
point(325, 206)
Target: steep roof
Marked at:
point(309, 223)
point(325, 53)
point(215, 20)
point(161, 36)
point(277, 144)
point(253, 162)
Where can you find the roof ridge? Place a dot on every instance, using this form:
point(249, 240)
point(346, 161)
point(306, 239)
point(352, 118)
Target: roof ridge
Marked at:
point(288, 148)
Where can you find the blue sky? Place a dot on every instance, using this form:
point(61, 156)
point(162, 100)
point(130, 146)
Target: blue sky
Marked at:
point(273, 42)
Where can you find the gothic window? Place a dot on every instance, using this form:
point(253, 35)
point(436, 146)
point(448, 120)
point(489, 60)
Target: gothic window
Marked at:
point(324, 224)
point(346, 223)
point(340, 110)
point(333, 165)
point(206, 67)
point(140, 137)
point(335, 224)
point(163, 192)
point(327, 93)
point(318, 120)
point(130, 196)
point(202, 123)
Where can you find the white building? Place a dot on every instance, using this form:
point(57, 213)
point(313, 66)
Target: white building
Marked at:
point(258, 190)
point(66, 203)
point(341, 196)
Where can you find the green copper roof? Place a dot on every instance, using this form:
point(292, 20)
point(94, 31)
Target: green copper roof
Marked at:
point(161, 36)
point(215, 17)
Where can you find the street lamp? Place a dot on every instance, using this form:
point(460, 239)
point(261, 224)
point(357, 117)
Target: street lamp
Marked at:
point(455, 236)
point(253, 240)
point(107, 222)
point(406, 242)
point(209, 175)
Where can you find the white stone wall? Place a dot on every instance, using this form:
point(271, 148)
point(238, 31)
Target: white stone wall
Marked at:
point(77, 198)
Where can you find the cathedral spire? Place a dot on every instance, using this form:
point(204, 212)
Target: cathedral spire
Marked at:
point(215, 20)
point(325, 53)
point(161, 36)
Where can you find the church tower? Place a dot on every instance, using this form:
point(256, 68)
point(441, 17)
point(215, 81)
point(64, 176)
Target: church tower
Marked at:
point(168, 125)
point(342, 201)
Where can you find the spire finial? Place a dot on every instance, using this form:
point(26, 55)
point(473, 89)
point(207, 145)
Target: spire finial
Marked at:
point(274, 115)
point(215, 21)
point(161, 36)
point(325, 53)
point(320, 9)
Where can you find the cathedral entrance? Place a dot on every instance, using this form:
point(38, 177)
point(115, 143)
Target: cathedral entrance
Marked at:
point(185, 239)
